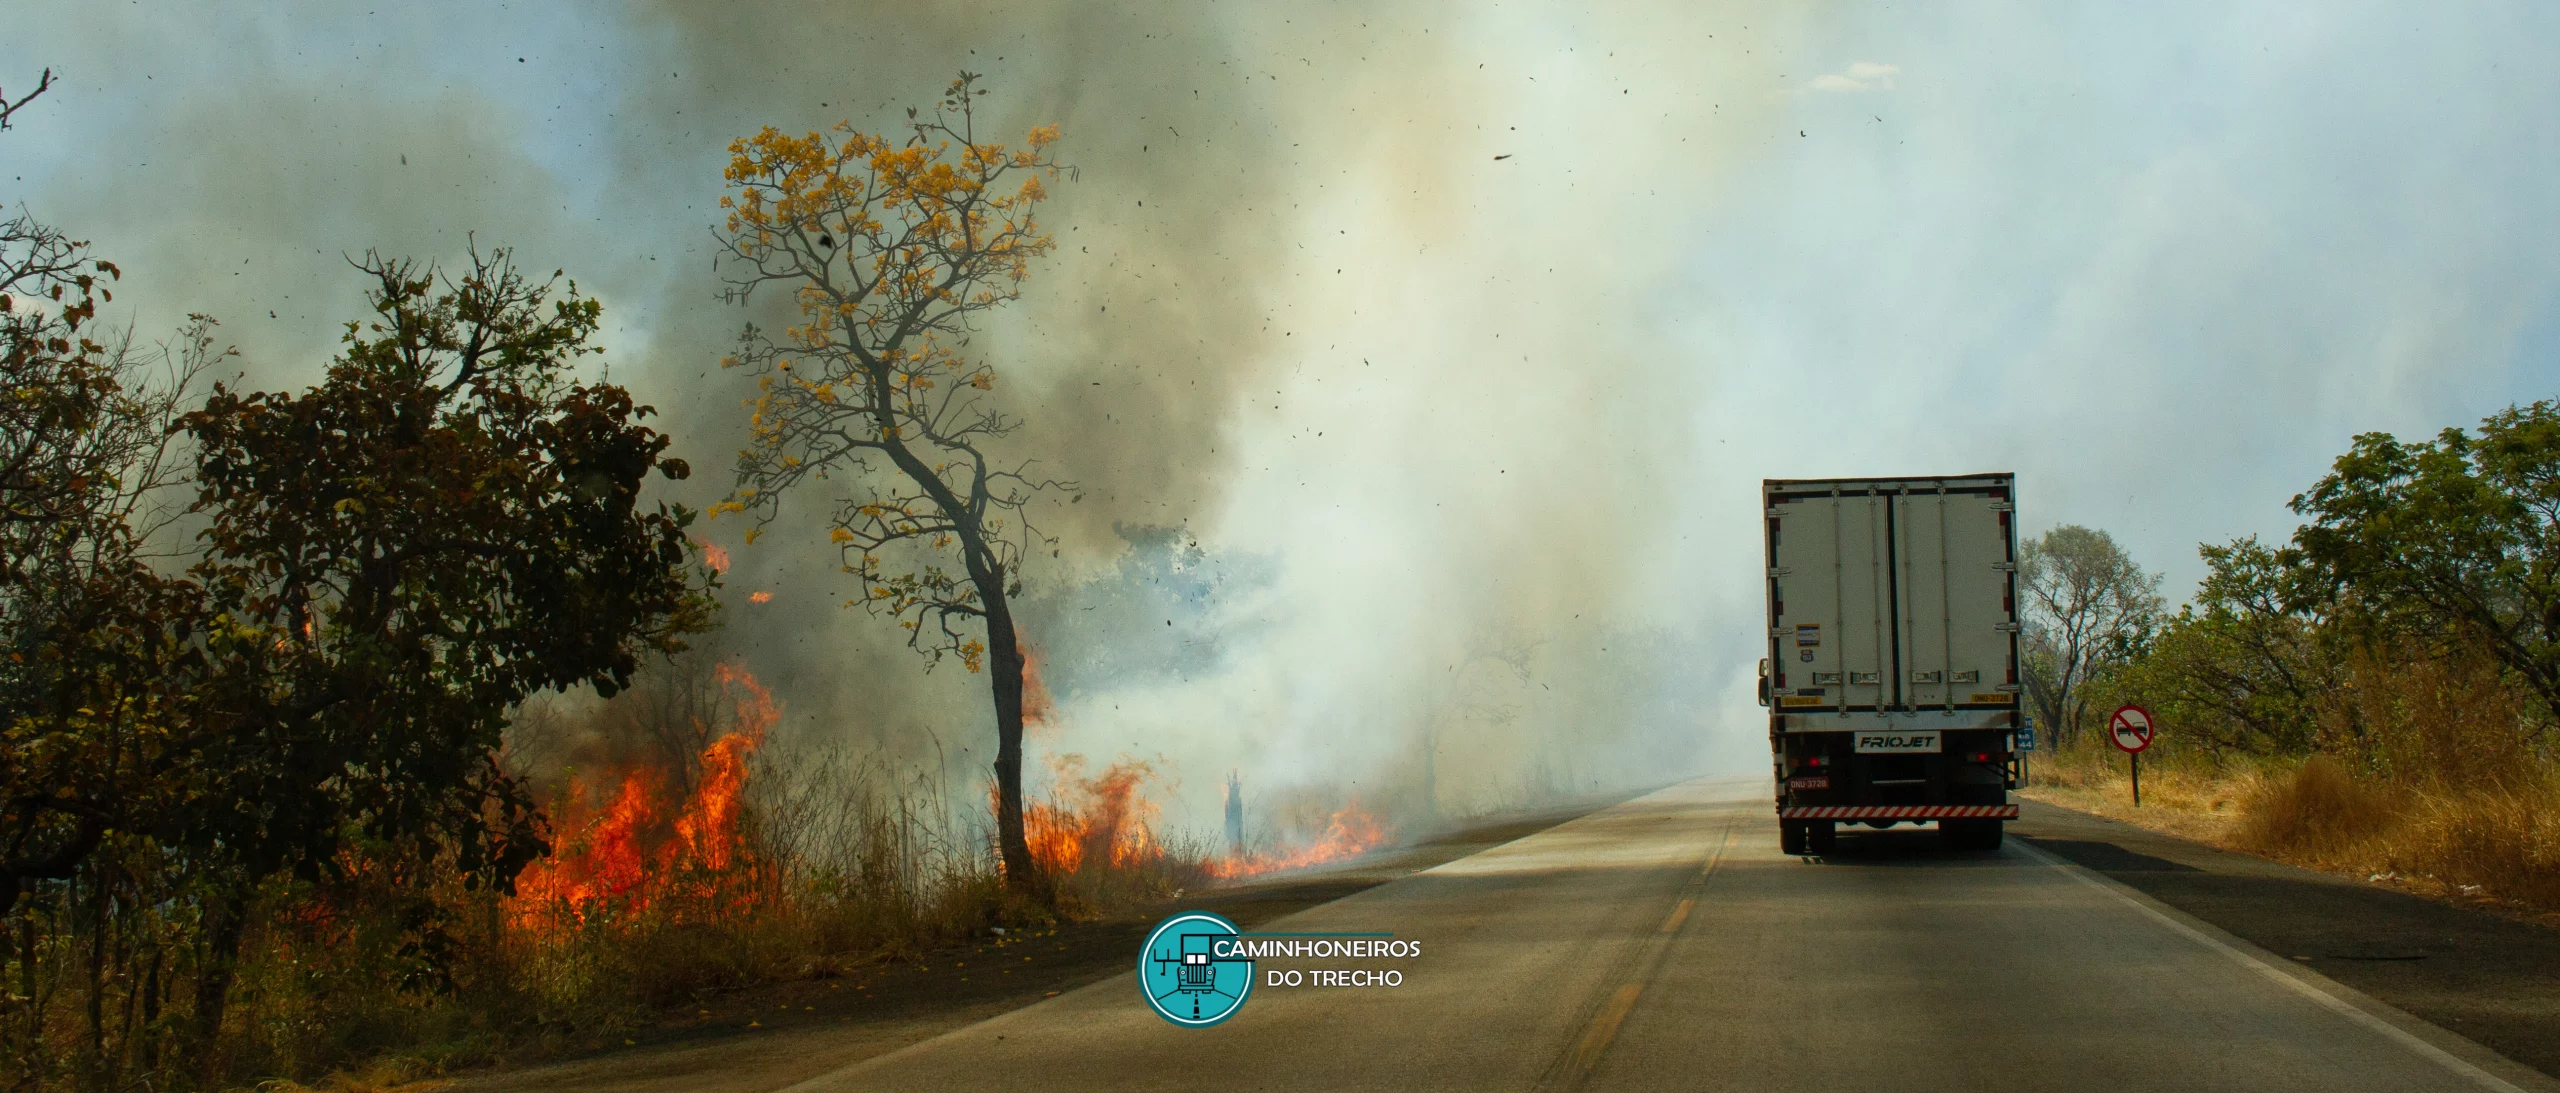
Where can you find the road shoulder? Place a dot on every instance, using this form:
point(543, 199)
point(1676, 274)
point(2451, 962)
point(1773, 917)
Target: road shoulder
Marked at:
point(2490, 979)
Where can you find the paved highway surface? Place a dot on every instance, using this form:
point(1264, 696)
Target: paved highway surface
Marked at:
point(1664, 943)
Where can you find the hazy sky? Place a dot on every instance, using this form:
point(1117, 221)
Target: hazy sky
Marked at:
point(1479, 322)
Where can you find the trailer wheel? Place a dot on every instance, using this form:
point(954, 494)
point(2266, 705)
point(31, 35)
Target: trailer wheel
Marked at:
point(1970, 835)
point(1821, 837)
point(1791, 838)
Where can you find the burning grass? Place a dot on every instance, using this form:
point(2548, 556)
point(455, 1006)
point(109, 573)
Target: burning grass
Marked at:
point(693, 858)
point(656, 844)
point(1350, 832)
point(1096, 836)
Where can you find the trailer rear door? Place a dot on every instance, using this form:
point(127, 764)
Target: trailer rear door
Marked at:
point(1953, 568)
point(1892, 594)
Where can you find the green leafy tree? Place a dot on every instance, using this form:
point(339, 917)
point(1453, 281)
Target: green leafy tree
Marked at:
point(2088, 606)
point(892, 251)
point(2450, 542)
point(397, 557)
point(2242, 668)
point(91, 635)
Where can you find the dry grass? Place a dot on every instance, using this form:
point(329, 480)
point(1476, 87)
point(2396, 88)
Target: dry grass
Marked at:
point(850, 861)
point(2189, 797)
point(2495, 842)
point(2320, 815)
point(2492, 842)
point(2428, 780)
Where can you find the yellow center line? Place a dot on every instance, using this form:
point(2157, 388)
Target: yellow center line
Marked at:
point(1679, 915)
point(1604, 1027)
point(1604, 1024)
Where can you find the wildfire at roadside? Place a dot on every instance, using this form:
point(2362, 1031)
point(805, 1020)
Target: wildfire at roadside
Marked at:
point(647, 844)
point(1350, 832)
point(1107, 819)
point(1036, 702)
point(1104, 818)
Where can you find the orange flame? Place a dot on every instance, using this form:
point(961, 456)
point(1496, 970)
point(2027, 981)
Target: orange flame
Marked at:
point(759, 597)
point(1097, 819)
point(715, 557)
point(1036, 703)
point(623, 855)
point(1351, 832)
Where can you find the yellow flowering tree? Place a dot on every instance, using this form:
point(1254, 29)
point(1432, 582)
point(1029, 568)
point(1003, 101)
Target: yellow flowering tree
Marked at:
point(892, 249)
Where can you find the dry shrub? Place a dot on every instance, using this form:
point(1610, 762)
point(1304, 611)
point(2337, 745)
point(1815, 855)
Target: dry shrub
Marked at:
point(2501, 842)
point(2319, 813)
point(2496, 840)
point(2431, 775)
point(2425, 718)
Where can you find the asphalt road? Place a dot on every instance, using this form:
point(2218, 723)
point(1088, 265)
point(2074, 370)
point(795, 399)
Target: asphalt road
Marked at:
point(1664, 943)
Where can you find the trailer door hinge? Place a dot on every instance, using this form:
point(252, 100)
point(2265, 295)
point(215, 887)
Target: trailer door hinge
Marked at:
point(2006, 627)
point(1777, 571)
point(2005, 567)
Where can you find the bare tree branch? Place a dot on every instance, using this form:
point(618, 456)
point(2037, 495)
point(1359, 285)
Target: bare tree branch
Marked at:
point(9, 107)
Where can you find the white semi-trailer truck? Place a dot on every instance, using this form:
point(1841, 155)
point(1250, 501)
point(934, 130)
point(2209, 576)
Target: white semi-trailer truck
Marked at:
point(1892, 675)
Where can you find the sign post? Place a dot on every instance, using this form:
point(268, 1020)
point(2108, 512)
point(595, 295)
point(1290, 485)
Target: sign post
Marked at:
point(2026, 743)
point(2130, 730)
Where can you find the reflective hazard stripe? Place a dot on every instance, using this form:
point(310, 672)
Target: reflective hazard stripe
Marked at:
point(1899, 812)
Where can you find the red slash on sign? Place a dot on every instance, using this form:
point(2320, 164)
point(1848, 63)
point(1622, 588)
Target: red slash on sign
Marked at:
point(2130, 728)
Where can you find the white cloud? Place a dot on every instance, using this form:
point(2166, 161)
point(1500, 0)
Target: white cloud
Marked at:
point(1860, 76)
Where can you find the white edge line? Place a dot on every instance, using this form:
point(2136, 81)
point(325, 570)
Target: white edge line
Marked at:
point(2268, 965)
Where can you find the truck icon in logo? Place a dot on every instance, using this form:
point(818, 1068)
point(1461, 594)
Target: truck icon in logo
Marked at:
point(1184, 979)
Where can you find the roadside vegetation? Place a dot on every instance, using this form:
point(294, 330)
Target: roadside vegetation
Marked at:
point(2375, 697)
point(356, 733)
point(675, 881)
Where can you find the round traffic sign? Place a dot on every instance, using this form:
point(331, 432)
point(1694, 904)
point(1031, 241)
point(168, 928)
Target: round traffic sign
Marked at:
point(2130, 728)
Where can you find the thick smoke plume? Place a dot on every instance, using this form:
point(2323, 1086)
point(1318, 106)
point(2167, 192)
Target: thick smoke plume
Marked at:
point(1388, 401)
point(1416, 363)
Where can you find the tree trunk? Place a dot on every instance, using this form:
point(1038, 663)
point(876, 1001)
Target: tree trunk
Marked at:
point(1005, 664)
point(225, 913)
point(98, 926)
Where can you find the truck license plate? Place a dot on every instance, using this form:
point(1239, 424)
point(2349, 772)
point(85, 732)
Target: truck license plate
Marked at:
point(1870, 743)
